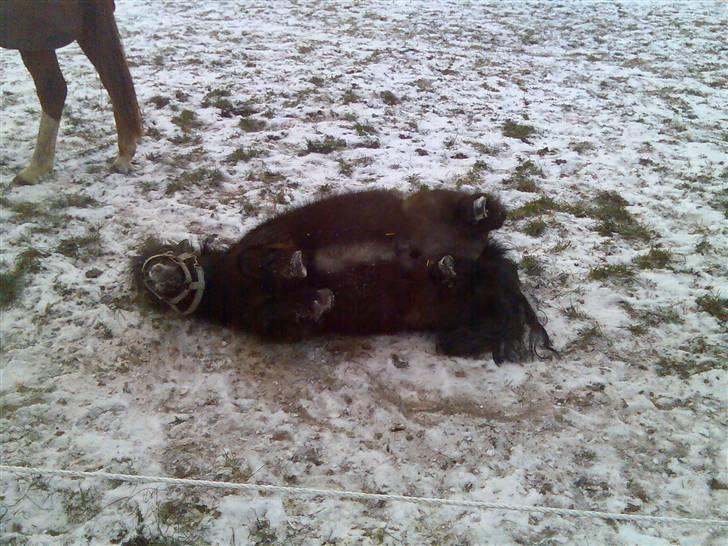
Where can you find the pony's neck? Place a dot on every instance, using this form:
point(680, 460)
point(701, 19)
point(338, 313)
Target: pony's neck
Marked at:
point(213, 306)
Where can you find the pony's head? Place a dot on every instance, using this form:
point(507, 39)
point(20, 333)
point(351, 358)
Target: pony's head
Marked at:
point(171, 275)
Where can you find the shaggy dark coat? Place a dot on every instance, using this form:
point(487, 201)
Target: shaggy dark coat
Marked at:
point(371, 263)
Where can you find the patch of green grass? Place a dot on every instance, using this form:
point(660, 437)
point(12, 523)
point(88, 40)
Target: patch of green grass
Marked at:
point(346, 168)
point(363, 129)
point(423, 84)
point(350, 97)
point(531, 266)
point(415, 180)
point(586, 337)
point(582, 147)
point(159, 101)
point(703, 247)
point(473, 177)
point(485, 149)
point(75, 200)
point(656, 258)
point(82, 505)
point(511, 129)
point(612, 271)
point(252, 125)
point(198, 177)
point(11, 285)
point(686, 367)
point(534, 208)
point(187, 120)
point(650, 318)
point(324, 146)
point(241, 154)
point(614, 218)
point(266, 176)
point(714, 305)
point(535, 228)
point(522, 177)
point(573, 313)
point(81, 247)
point(389, 98)
point(12, 282)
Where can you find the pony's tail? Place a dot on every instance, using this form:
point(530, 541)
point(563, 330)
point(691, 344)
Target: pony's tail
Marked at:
point(102, 44)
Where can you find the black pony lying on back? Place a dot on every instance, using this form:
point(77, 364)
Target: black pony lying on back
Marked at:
point(373, 262)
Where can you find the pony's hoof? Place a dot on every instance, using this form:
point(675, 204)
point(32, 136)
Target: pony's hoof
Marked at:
point(480, 208)
point(296, 269)
point(324, 302)
point(446, 265)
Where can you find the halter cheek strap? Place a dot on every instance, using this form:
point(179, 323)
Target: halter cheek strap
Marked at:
point(196, 287)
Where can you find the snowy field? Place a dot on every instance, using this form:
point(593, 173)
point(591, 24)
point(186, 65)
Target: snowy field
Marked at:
point(604, 129)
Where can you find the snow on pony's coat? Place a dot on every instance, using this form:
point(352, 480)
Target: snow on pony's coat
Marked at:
point(369, 263)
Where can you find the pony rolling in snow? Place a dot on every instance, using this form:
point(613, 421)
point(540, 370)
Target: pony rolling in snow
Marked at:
point(374, 262)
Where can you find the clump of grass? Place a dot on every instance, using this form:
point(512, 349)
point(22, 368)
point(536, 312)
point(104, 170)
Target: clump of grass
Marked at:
point(81, 247)
point(363, 129)
point(687, 367)
point(586, 337)
point(534, 208)
point(582, 147)
point(611, 271)
point(346, 168)
point(473, 177)
point(324, 146)
point(187, 120)
point(531, 266)
point(574, 313)
point(656, 258)
point(75, 200)
point(423, 84)
point(415, 180)
point(614, 218)
point(522, 132)
point(82, 505)
point(241, 154)
point(389, 98)
point(349, 97)
point(522, 177)
point(159, 101)
point(714, 305)
point(252, 125)
point(214, 95)
point(198, 177)
point(485, 149)
point(11, 285)
point(266, 176)
point(535, 228)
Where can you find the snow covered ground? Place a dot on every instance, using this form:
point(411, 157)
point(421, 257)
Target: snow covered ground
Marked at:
point(602, 126)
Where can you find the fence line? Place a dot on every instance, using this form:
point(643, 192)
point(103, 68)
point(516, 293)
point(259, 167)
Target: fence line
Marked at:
point(357, 495)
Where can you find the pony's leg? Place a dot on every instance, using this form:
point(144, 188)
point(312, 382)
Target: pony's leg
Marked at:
point(102, 46)
point(51, 89)
point(294, 315)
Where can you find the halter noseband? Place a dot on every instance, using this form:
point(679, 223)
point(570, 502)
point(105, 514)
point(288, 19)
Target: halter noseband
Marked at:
point(191, 287)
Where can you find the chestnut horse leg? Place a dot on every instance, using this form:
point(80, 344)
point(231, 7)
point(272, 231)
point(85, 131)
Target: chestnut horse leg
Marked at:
point(51, 89)
point(101, 43)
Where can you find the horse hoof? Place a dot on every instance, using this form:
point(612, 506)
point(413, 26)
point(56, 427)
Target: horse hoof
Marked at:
point(480, 208)
point(19, 180)
point(121, 165)
point(296, 268)
point(324, 302)
point(446, 265)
